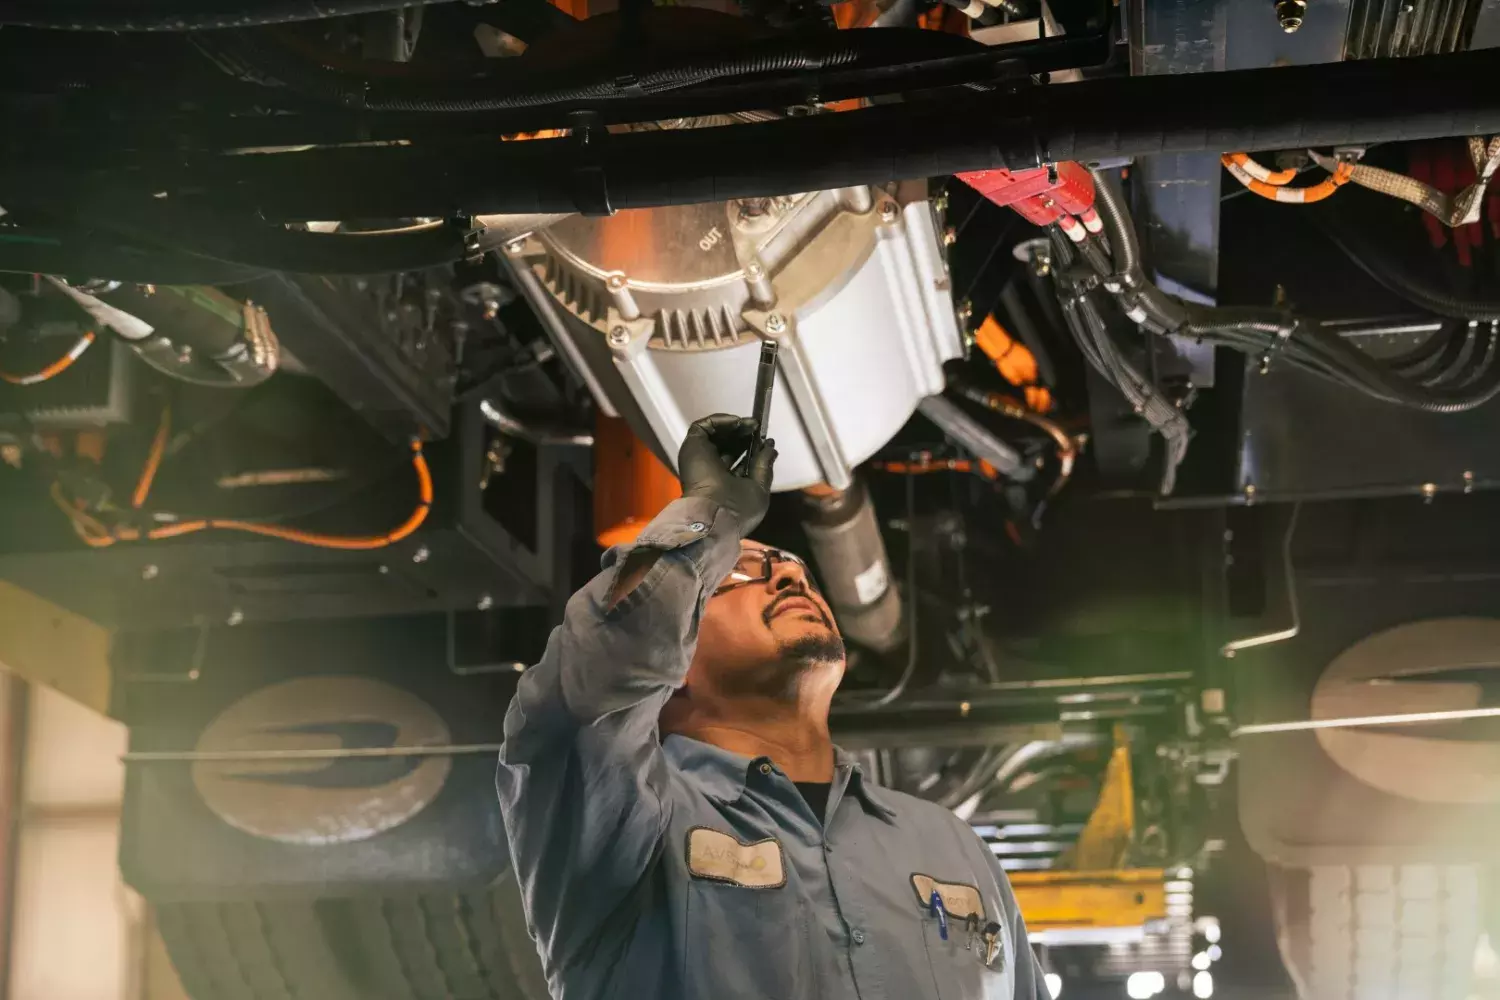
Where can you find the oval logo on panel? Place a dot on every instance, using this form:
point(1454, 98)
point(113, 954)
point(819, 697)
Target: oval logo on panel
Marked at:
point(1430, 666)
point(322, 800)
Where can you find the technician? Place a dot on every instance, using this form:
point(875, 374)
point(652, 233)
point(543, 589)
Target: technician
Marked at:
point(680, 822)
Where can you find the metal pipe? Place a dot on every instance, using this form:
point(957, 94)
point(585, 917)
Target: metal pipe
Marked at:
point(311, 753)
point(494, 411)
point(1234, 646)
point(974, 437)
point(1381, 100)
point(844, 540)
point(1361, 721)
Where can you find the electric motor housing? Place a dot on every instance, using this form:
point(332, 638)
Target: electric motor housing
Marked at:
point(662, 311)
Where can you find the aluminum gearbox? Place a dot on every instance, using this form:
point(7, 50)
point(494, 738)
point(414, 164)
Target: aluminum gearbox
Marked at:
point(661, 312)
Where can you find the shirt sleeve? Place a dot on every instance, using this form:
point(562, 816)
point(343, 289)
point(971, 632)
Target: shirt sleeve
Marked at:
point(582, 779)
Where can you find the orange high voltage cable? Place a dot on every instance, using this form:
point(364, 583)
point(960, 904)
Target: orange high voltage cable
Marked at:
point(55, 368)
point(97, 535)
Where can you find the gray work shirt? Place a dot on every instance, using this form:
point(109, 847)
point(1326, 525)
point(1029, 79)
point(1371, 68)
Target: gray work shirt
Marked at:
point(659, 870)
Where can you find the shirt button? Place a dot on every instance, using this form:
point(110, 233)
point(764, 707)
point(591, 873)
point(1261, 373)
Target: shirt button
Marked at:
point(857, 936)
point(697, 526)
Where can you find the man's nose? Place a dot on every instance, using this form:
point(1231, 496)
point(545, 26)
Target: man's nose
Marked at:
point(786, 574)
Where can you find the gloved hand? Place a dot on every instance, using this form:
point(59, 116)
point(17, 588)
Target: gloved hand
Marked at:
point(703, 467)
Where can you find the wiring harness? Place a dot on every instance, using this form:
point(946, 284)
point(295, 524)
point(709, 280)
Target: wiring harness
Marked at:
point(1098, 273)
point(99, 527)
point(57, 367)
point(1445, 375)
point(1451, 210)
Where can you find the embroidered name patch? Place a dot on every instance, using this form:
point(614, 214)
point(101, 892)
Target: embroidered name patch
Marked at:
point(959, 899)
point(719, 856)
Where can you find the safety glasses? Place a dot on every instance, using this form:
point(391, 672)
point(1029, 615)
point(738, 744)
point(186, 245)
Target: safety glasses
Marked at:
point(758, 565)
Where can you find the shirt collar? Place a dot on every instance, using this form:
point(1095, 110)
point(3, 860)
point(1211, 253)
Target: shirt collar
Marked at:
point(723, 774)
point(867, 791)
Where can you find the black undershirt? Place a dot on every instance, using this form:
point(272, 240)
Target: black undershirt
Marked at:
point(815, 794)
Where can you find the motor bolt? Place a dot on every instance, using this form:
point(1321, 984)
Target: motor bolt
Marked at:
point(1290, 14)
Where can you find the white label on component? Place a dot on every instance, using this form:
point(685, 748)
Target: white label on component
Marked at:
point(870, 584)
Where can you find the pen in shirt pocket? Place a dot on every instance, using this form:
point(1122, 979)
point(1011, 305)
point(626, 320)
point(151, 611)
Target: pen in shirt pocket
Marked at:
point(936, 908)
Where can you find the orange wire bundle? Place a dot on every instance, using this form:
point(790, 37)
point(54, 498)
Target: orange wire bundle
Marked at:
point(55, 368)
point(98, 535)
point(1014, 361)
point(1271, 184)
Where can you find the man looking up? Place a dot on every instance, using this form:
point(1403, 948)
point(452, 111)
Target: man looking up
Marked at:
point(680, 822)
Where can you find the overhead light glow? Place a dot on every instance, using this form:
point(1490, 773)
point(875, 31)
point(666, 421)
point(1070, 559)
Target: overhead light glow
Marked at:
point(1054, 985)
point(1144, 985)
point(1215, 953)
point(1201, 961)
point(1209, 928)
point(1203, 985)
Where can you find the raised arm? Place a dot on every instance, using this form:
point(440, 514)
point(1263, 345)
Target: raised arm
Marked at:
point(582, 779)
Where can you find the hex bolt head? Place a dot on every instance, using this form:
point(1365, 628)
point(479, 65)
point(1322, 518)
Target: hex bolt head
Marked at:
point(888, 211)
point(615, 282)
point(964, 313)
point(775, 323)
point(619, 337)
point(950, 236)
point(150, 571)
point(421, 555)
point(754, 270)
point(236, 616)
point(514, 247)
point(485, 602)
point(1290, 14)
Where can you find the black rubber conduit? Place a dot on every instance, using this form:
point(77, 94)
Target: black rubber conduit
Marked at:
point(182, 15)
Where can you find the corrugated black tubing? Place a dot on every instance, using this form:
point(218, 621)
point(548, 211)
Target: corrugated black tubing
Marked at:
point(1378, 263)
point(517, 86)
point(1452, 378)
point(182, 15)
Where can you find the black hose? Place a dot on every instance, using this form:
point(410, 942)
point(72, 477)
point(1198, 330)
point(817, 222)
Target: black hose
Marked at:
point(517, 85)
point(1165, 312)
point(1148, 400)
point(1398, 279)
point(85, 254)
point(1325, 353)
point(183, 15)
point(1274, 332)
point(1365, 101)
point(1125, 248)
point(1433, 365)
point(249, 243)
point(1419, 358)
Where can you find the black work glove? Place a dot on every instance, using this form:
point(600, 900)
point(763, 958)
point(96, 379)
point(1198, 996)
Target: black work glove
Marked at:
point(703, 467)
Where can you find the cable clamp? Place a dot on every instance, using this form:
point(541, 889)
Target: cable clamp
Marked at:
point(588, 185)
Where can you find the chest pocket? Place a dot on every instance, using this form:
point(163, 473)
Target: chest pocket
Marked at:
point(959, 967)
point(746, 921)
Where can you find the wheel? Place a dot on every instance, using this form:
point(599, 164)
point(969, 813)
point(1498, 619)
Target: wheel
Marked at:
point(249, 950)
point(1377, 932)
point(430, 946)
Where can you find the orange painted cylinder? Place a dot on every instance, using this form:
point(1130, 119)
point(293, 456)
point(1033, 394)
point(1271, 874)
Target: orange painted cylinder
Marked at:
point(631, 485)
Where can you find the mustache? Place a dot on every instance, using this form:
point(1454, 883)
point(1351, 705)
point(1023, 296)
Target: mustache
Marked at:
point(789, 594)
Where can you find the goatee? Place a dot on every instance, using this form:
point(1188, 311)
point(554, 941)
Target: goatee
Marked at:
point(812, 649)
point(779, 679)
